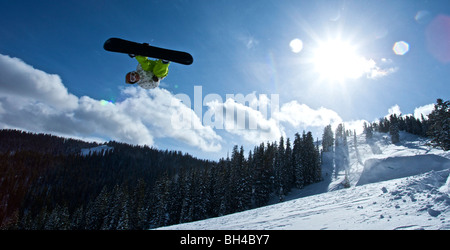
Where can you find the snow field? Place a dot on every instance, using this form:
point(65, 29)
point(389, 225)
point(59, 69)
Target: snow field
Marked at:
point(393, 187)
point(407, 203)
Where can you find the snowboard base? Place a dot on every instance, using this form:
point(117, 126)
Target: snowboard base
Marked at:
point(127, 47)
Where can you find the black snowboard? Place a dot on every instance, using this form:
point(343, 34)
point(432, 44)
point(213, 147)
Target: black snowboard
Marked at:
point(128, 47)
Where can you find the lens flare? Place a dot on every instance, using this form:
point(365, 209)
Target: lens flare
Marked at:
point(422, 16)
point(401, 48)
point(296, 45)
point(104, 102)
point(438, 37)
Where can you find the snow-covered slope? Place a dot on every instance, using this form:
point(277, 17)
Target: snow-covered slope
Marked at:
point(401, 186)
point(98, 149)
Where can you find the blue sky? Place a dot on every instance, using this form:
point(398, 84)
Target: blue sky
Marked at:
point(239, 47)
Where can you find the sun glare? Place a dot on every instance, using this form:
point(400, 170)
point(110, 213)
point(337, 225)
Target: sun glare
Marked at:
point(336, 60)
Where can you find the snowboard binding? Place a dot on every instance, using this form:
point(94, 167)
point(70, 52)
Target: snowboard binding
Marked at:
point(132, 77)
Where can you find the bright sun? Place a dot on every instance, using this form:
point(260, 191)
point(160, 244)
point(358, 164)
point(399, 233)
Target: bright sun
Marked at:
point(336, 60)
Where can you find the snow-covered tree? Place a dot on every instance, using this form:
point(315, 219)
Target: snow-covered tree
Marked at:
point(327, 139)
point(439, 124)
point(393, 129)
point(368, 130)
point(341, 155)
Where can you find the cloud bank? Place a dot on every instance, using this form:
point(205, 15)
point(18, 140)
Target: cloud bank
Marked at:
point(424, 111)
point(33, 100)
point(301, 115)
point(248, 122)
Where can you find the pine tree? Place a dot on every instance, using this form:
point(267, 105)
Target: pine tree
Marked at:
point(368, 130)
point(297, 159)
point(140, 204)
point(201, 198)
point(261, 177)
point(439, 124)
point(244, 185)
point(77, 222)
point(162, 200)
point(394, 132)
point(327, 139)
point(424, 123)
point(114, 209)
point(123, 222)
point(317, 163)
point(310, 159)
point(58, 219)
point(234, 169)
point(97, 210)
point(222, 191)
point(288, 168)
point(341, 150)
point(279, 164)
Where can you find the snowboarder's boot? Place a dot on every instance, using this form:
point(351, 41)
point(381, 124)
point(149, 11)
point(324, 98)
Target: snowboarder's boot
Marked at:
point(132, 77)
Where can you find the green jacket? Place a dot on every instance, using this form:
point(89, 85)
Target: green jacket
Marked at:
point(158, 68)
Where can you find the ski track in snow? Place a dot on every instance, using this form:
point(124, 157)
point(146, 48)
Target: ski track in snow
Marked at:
point(418, 200)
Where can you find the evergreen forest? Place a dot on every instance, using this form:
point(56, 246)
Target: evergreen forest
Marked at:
point(47, 184)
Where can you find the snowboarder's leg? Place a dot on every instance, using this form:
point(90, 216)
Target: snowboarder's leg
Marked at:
point(161, 68)
point(145, 63)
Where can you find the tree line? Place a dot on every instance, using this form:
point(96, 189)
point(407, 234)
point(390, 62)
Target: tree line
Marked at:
point(436, 126)
point(47, 184)
point(238, 183)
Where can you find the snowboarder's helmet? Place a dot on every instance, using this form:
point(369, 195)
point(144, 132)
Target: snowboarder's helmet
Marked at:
point(132, 77)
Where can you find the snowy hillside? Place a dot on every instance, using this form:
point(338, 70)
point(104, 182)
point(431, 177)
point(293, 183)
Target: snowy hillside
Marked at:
point(98, 150)
point(393, 186)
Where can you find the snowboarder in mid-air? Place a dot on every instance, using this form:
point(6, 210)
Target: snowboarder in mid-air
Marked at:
point(148, 73)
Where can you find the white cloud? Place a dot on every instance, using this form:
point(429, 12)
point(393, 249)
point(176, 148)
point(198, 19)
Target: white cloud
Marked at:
point(253, 124)
point(355, 125)
point(112, 121)
point(375, 70)
point(302, 115)
point(248, 123)
point(425, 110)
point(169, 117)
point(23, 81)
point(394, 110)
point(33, 100)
